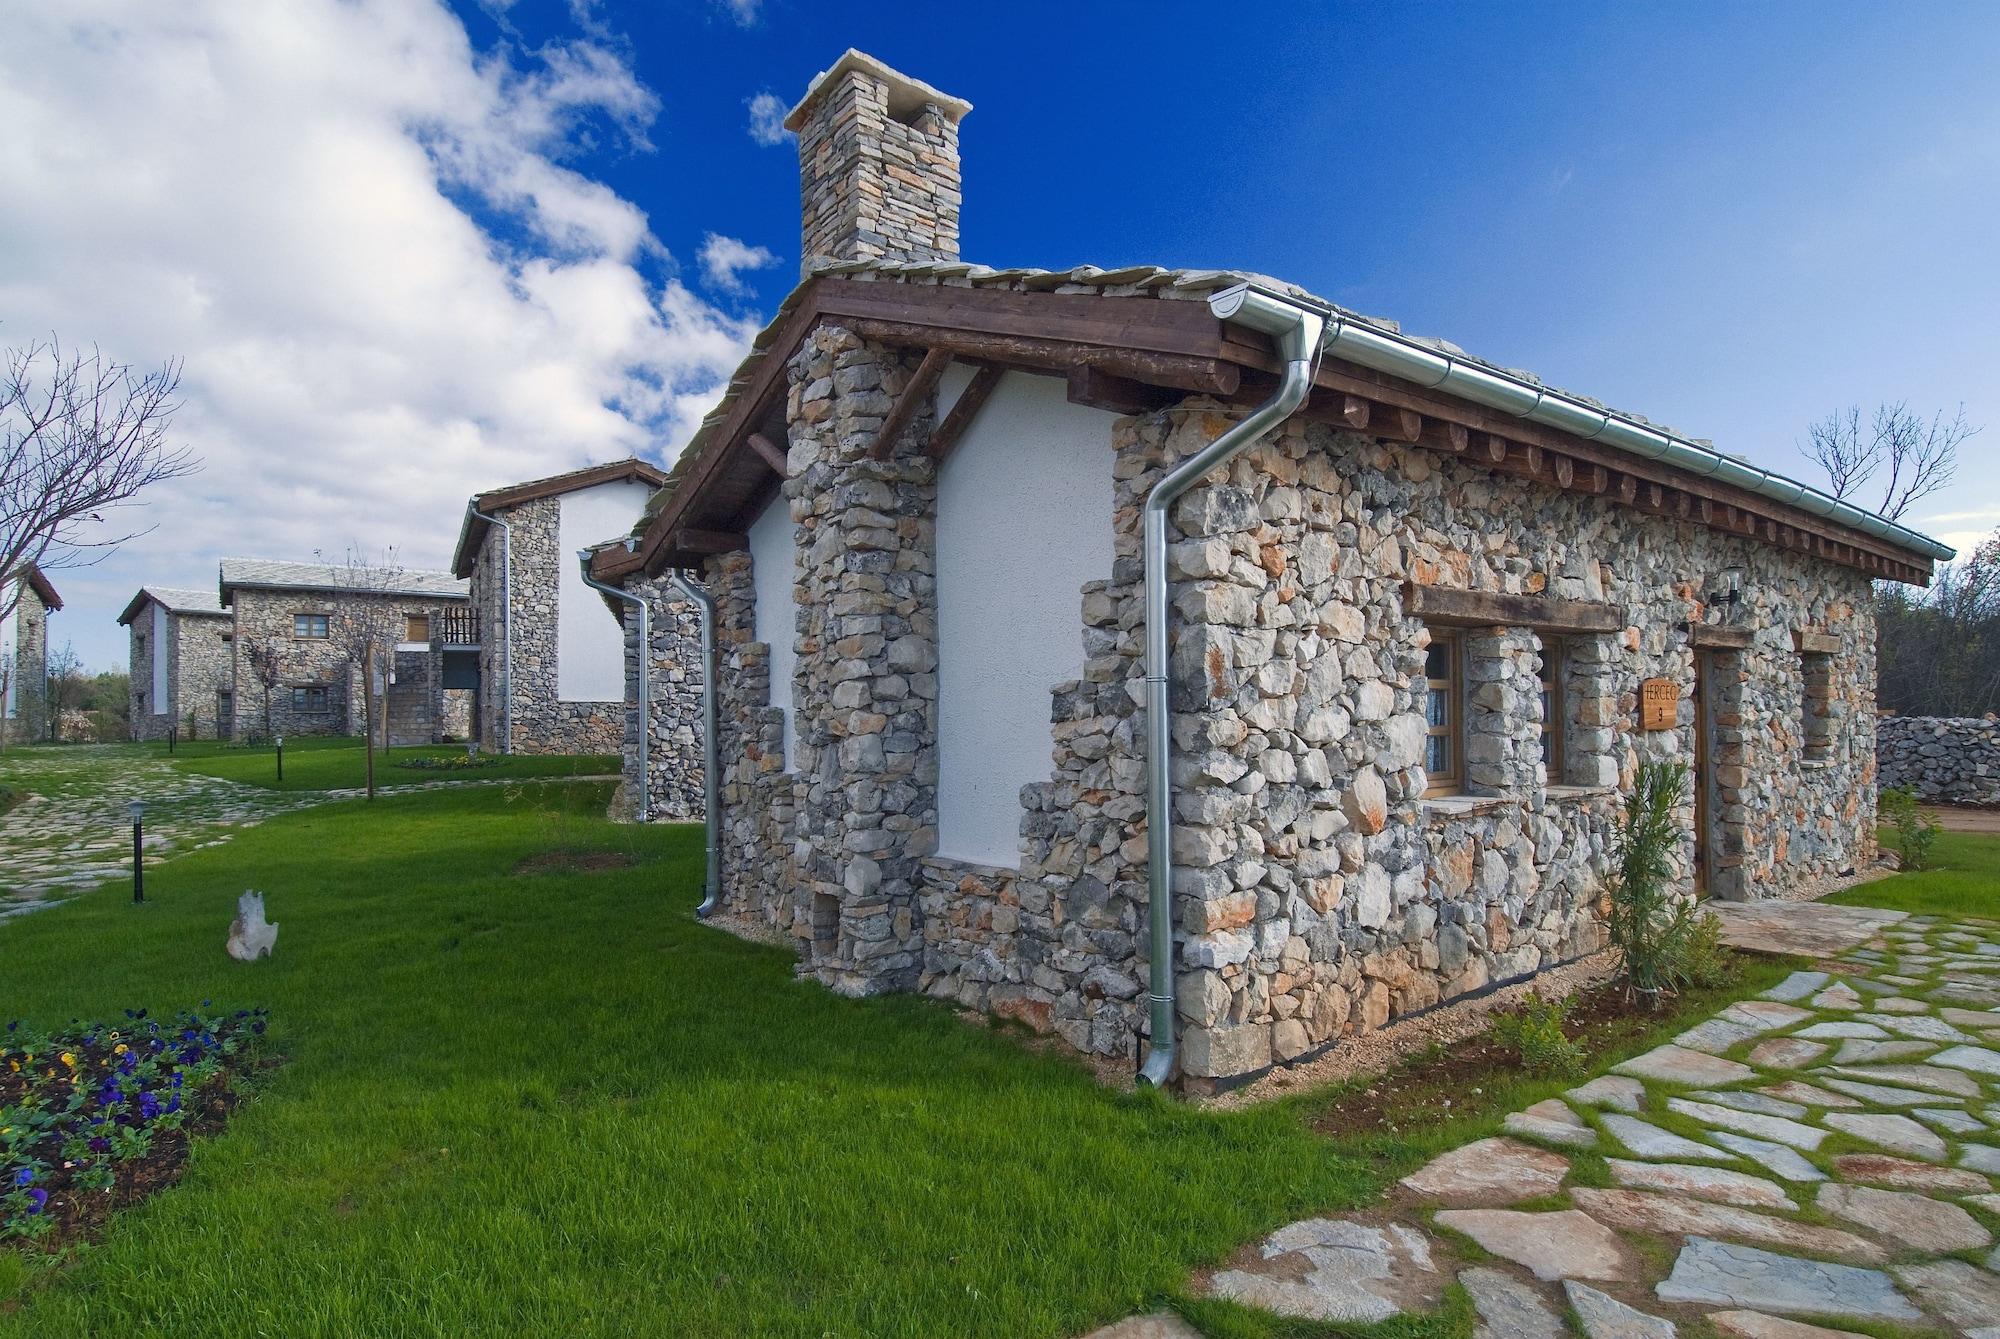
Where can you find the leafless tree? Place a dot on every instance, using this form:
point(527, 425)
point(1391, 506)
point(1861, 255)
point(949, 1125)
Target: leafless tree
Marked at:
point(266, 669)
point(6, 684)
point(1913, 456)
point(365, 629)
point(66, 686)
point(80, 436)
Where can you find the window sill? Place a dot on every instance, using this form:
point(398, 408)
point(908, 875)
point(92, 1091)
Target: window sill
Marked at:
point(1579, 794)
point(1440, 807)
point(1816, 764)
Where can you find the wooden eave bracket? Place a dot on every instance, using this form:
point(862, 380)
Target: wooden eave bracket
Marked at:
point(1817, 643)
point(1720, 637)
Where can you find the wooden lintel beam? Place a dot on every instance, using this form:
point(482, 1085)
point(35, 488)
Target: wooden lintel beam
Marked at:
point(771, 455)
point(1099, 389)
point(964, 410)
point(708, 542)
point(1719, 636)
point(914, 395)
point(1206, 376)
point(1475, 608)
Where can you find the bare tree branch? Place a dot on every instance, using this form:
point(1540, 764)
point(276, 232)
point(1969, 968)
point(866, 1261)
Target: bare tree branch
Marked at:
point(80, 437)
point(1920, 457)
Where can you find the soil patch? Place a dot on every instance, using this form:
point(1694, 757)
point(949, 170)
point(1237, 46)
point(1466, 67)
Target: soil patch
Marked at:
point(574, 862)
point(1441, 1083)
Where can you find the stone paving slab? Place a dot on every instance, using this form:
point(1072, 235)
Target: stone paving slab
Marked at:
point(1861, 1149)
point(1800, 929)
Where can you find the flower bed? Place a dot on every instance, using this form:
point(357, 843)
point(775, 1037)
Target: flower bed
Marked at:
point(94, 1117)
point(457, 762)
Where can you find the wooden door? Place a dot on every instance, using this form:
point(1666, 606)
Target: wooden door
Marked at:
point(1704, 806)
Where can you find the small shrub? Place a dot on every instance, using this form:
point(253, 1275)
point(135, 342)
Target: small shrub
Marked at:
point(1706, 963)
point(1534, 1031)
point(1645, 929)
point(457, 762)
point(1916, 830)
point(9, 797)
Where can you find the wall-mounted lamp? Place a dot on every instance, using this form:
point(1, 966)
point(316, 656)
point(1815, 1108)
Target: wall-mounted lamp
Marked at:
point(1728, 587)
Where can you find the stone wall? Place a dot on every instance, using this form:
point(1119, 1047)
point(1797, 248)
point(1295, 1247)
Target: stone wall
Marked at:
point(542, 721)
point(674, 750)
point(266, 616)
point(199, 664)
point(1318, 891)
point(1944, 760)
point(876, 186)
point(30, 653)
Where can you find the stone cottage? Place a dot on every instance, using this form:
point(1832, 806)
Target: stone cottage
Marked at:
point(181, 663)
point(24, 658)
point(1408, 622)
point(549, 671)
point(312, 618)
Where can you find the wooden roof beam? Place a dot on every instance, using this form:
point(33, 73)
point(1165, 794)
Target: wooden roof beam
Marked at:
point(964, 410)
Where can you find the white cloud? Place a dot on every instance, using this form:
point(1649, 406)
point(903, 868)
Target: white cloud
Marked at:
point(767, 119)
point(370, 243)
point(724, 258)
point(745, 12)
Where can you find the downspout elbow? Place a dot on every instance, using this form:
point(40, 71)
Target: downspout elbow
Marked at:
point(644, 705)
point(711, 783)
point(1298, 330)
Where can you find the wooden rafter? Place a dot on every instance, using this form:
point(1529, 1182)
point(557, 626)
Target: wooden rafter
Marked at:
point(964, 410)
point(771, 454)
point(913, 398)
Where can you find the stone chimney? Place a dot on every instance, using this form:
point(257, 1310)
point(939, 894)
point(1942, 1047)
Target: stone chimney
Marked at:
point(878, 165)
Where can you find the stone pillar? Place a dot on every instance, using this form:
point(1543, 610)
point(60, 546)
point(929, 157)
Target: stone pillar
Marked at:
point(866, 700)
point(1503, 714)
point(1591, 735)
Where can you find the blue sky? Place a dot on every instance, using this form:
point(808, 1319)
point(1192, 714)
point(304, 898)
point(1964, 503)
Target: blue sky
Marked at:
point(1732, 219)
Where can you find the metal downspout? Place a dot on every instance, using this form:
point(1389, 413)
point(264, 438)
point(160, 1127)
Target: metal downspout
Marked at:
point(1297, 330)
point(645, 703)
point(506, 626)
point(711, 782)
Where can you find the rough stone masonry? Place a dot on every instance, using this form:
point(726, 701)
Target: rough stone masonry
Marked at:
point(1944, 760)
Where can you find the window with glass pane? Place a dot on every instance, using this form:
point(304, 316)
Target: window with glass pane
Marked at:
point(1441, 712)
point(309, 625)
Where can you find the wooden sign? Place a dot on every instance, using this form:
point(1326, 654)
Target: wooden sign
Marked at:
point(1659, 704)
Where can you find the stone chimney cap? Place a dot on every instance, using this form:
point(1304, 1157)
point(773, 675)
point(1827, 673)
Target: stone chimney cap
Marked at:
point(906, 95)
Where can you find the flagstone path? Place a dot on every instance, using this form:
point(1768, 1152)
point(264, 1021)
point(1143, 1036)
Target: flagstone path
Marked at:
point(1815, 1160)
point(74, 832)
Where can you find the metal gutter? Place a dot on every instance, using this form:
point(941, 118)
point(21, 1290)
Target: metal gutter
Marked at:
point(1299, 331)
point(711, 783)
point(1434, 369)
point(506, 624)
point(645, 693)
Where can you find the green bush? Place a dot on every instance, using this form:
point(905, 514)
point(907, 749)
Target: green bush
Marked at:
point(1646, 929)
point(1534, 1031)
point(9, 797)
point(1916, 830)
point(1706, 963)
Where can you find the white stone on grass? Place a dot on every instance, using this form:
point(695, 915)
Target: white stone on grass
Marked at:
point(1796, 986)
point(1870, 1052)
point(1552, 1122)
point(1760, 1102)
point(1717, 1035)
point(1637, 1211)
point(1757, 1325)
point(1784, 1163)
point(1677, 1064)
point(1880, 1096)
point(1965, 1295)
point(1980, 1158)
point(1650, 1141)
point(1611, 1090)
point(1785, 1053)
point(1708, 1183)
point(1806, 1095)
point(1895, 1132)
point(1509, 1308)
point(1926, 1027)
point(1977, 1059)
point(1958, 1122)
point(1337, 1270)
point(1884, 1170)
point(1775, 1128)
point(1839, 995)
point(1721, 1274)
point(1911, 1221)
point(1838, 1030)
point(1489, 1172)
point(1606, 1317)
point(1564, 1244)
point(1947, 1081)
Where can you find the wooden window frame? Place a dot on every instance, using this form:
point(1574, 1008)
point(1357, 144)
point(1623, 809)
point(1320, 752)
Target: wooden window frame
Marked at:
point(1453, 730)
point(325, 623)
point(1554, 654)
point(302, 699)
point(410, 621)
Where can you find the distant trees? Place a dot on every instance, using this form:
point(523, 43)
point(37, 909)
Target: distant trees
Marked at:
point(266, 670)
point(66, 685)
point(1938, 650)
point(80, 436)
point(1910, 456)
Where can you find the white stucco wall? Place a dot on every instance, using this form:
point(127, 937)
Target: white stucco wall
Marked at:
point(1024, 520)
point(157, 642)
point(590, 646)
point(772, 565)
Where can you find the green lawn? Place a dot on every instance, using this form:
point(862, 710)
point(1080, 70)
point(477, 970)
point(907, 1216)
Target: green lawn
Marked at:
point(338, 763)
point(553, 1103)
point(1964, 880)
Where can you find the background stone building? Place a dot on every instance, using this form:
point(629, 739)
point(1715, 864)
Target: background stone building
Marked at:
point(550, 664)
point(1423, 633)
point(24, 658)
point(181, 668)
point(313, 617)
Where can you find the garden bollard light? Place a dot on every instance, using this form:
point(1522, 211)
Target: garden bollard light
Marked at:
point(281, 757)
point(138, 811)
